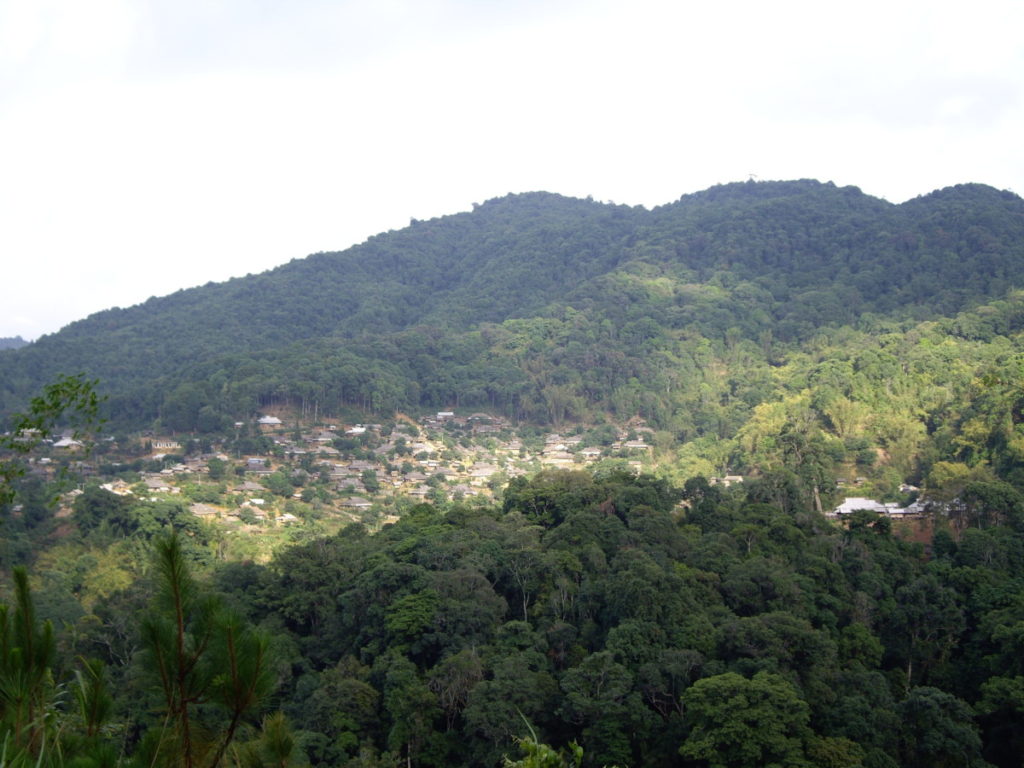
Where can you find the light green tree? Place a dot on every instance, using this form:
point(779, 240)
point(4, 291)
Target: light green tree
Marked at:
point(70, 400)
point(539, 755)
point(33, 729)
point(212, 670)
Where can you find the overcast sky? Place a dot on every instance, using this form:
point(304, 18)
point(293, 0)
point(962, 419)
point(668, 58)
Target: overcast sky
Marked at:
point(152, 145)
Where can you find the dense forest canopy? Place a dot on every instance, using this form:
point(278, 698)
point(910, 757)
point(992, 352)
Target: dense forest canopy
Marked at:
point(802, 338)
point(517, 304)
point(12, 342)
point(885, 337)
point(648, 624)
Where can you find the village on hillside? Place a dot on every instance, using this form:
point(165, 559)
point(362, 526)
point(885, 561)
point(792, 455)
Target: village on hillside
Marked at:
point(276, 472)
point(280, 478)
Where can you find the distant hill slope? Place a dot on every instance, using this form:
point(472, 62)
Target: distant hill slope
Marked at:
point(466, 308)
point(12, 342)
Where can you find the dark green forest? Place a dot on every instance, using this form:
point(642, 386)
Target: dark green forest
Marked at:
point(807, 337)
point(887, 338)
point(551, 309)
point(12, 342)
point(648, 624)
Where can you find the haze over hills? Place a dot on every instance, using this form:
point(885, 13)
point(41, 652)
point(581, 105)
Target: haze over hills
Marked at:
point(12, 342)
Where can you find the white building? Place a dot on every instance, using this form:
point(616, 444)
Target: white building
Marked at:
point(854, 503)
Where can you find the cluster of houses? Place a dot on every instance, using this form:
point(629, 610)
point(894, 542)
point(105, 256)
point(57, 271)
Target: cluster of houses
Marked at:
point(463, 468)
point(457, 456)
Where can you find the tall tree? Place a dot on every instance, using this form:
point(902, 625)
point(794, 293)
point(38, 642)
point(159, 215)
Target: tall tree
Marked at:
point(204, 658)
point(70, 400)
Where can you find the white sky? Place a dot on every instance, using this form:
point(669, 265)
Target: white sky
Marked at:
point(152, 145)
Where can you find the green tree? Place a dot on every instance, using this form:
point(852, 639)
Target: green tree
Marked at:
point(924, 625)
point(27, 651)
point(97, 507)
point(217, 468)
point(938, 731)
point(275, 748)
point(1001, 710)
point(34, 729)
point(411, 708)
point(736, 722)
point(279, 484)
point(518, 684)
point(599, 697)
point(992, 503)
point(70, 399)
point(211, 669)
point(93, 697)
point(370, 481)
point(539, 755)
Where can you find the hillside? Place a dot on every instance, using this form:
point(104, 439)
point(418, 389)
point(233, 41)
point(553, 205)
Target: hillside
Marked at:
point(778, 258)
point(622, 535)
point(718, 320)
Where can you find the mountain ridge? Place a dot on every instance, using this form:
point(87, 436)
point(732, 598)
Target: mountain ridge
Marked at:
point(715, 194)
point(751, 259)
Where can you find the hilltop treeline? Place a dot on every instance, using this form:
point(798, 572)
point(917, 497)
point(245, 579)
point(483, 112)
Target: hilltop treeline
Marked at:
point(731, 315)
point(546, 307)
point(652, 625)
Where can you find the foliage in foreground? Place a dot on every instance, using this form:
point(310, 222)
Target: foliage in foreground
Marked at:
point(650, 626)
point(205, 674)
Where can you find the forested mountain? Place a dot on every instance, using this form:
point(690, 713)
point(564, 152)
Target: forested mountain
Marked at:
point(12, 342)
point(809, 338)
point(467, 308)
point(585, 608)
point(717, 319)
